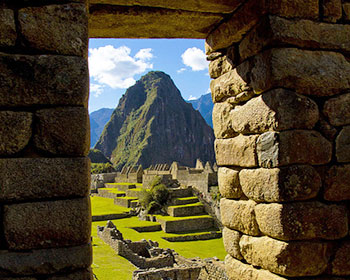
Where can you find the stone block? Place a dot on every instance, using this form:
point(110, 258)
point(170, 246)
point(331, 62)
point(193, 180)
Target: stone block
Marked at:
point(114, 21)
point(43, 80)
point(337, 183)
point(238, 270)
point(239, 215)
point(231, 84)
point(222, 120)
point(291, 259)
point(16, 131)
point(45, 261)
point(43, 178)
point(275, 110)
point(297, 182)
point(337, 110)
point(332, 10)
point(341, 262)
point(229, 185)
point(63, 131)
point(60, 29)
point(244, 18)
point(238, 151)
point(47, 224)
point(302, 220)
point(343, 145)
point(8, 33)
point(220, 66)
point(220, 6)
point(231, 242)
point(277, 31)
point(326, 129)
point(293, 147)
point(346, 9)
point(85, 274)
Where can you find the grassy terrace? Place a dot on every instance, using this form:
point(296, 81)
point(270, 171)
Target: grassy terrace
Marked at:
point(108, 265)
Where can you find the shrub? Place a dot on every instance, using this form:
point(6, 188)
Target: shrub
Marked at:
point(98, 168)
point(156, 181)
point(160, 194)
point(145, 199)
point(215, 194)
point(153, 207)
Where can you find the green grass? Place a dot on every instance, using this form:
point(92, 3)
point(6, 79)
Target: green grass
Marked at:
point(108, 265)
point(127, 197)
point(104, 206)
point(124, 184)
point(113, 190)
point(186, 198)
point(170, 218)
point(187, 205)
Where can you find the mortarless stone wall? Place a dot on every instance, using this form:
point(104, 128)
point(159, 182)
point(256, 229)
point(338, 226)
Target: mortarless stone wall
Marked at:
point(44, 139)
point(281, 75)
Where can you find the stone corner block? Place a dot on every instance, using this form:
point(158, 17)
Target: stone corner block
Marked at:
point(47, 224)
point(337, 110)
point(63, 131)
point(229, 185)
point(238, 151)
point(337, 183)
point(343, 145)
point(302, 220)
point(341, 262)
point(8, 33)
point(239, 215)
point(231, 242)
point(293, 147)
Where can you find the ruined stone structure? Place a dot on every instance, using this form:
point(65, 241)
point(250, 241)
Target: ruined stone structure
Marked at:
point(281, 90)
point(129, 174)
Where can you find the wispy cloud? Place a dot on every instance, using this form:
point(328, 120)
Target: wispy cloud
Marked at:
point(192, 98)
point(96, 89)
point(181, 70)
point(115, 67)
point(195, 58)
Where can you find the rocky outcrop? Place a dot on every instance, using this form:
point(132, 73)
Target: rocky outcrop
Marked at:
point(153, 124)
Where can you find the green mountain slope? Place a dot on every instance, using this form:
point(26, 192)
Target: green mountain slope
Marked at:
point(153, 124)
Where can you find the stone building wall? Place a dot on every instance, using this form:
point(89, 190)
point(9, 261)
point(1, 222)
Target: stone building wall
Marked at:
point(281, 76)
point(44, 140)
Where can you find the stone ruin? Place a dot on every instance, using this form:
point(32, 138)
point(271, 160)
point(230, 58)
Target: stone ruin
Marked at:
point(143, 254)
point(130, 174)
point(155, 263)
point(281, 90)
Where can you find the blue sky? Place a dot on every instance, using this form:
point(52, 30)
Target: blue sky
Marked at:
point(115, 65)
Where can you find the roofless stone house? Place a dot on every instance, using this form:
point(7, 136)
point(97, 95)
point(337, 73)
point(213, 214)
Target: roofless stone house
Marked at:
point(281, 84)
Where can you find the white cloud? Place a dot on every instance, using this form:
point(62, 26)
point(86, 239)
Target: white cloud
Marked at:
point(96, 89)
point(209, 90)
point(181, 70)
point(192, 98)
point(195, 58)
point(115, 67)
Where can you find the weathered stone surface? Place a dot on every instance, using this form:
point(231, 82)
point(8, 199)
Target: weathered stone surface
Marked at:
point(288, 259)
point(63, 131)
point(332, 10)
point(229, 183)
point(45, 261)
point(238, 270)
point(326, 129)
point(275, 110)
point(246, 17)
point(16, 131)
point(60, 29)
point(43, 178)
point(293, 147)
point(222, 120)
point(8, 33)
point(337, 110)
point(343, 145)
point(297, 182)
point(231, 242)
point(43, 79)
point(221, 6)
point(346, 9)
point(231, 84)
point(302, 220)
point(337, 183)
point(112, 21)
point(238, 151)
point(220, 66)
point(318, 73)
point(47, 224)
point(341, 263)
point(85, 274)
point(277, 31)
point(239, 215)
